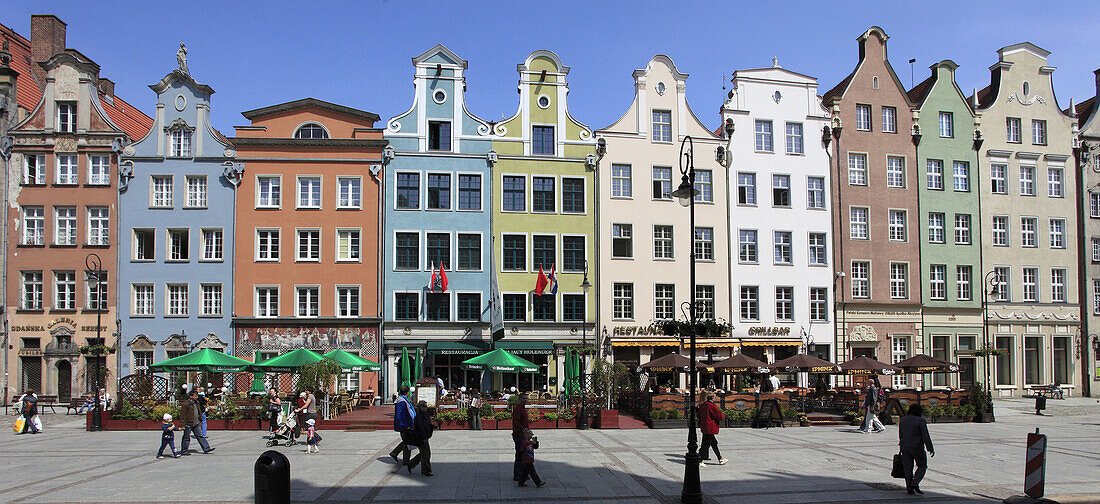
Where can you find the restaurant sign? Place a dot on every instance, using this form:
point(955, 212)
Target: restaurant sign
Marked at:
point(769, 331)
point(635, 331)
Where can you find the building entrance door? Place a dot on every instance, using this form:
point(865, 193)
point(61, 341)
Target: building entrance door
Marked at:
point(966, 372)
point(64, 381)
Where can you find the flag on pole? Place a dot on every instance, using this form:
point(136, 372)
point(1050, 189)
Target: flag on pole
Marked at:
point(541, 282)
point(442, 278)
point(553, 280)
point(496, 304)
point(431, 283)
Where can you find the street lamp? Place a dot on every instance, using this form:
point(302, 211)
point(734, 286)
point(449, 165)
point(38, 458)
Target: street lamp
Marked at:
point(990, 287)
point(93, 263)
point(582, 415)
point(691, 493)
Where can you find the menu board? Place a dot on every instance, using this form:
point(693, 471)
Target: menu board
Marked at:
point(428, 394)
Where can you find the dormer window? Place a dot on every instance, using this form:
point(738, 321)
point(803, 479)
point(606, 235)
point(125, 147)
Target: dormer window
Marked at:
point(179, 138)
point(311, 130)
point(66, 117)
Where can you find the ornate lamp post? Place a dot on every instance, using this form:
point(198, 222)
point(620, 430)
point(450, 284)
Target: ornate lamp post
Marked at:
point(989, 288)
point(582, 415)
point(96, 352)
point(691, 493)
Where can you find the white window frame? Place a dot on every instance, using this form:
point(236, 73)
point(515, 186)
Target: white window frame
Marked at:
point(934, 174)
point(861, 279)
point(270, 196)
point(947, 125)
point(269, 253)
point(1029, 279)
point(67, 169)
point(1029, 232)
point(34, 169)
point(65, 227)
point(1027, 183)
point(176, 302)
point(213, 296)
point(964, 282)
point(863, 117)
point(936, 222)
point(184, 250)
point(213, 240)
point(998, 176)
point(354, 236)
point(859, 223)
point(815, 193)
point(1000, 231)
point(898, 226)
point(312, 301)
point(1058, 285)
point(143, 299)
point(1055, 183)
point(270, 310)
point(621, 184)
point(937, 282)
point(1057, 233)
point(895, 172)
point(857, 169)
point(899, 280)
point(889, 119)
point(343, 294)
point(764, 134)
point(299, 204)
point(99, 226)
point(962, 229)
point(960, 176)
point(161, 189)
point(313, 239)
point(99, 169)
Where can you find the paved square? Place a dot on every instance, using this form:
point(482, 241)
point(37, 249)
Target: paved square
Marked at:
point(974, 463)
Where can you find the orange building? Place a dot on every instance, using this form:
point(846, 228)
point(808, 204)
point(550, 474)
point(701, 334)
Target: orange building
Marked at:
point(307, 226)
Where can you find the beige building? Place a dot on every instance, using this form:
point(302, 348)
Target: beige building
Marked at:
point(1088, 158)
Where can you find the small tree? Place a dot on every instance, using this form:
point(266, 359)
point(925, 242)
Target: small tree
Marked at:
point(320, 375)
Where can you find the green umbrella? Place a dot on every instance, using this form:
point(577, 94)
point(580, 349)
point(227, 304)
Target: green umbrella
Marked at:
point(351, 362)
point(257, 383)
point(405, 382)
point(418, 370)
point(568, 365)
point(289, 362)
point(500, 361)
point(206, 360)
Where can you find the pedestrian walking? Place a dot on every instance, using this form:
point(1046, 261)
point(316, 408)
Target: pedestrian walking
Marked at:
point(423, 427)
point(273, 407)
point(775, 384)
point(474, 411)
point(29, 402)
point(204, 407)
point(520, 423)
point(312, 437)
point(871, 423)
point(309, 405)
point(189, 415)
point(527, 459)
point(168, 437)
point(709, 419)
point(403, 416)
point(913, 440)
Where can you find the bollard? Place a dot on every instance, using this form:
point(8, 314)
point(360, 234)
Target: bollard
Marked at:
point(1040, 404)
point(1035, 465)
point(272, 478)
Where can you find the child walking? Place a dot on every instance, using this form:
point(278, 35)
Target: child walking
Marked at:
point(312, 437)
point(527, 459)
point(167, 438)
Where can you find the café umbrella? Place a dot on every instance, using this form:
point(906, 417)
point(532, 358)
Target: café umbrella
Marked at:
point(802, 363)
point(206, 360)
point(405, 368)
point(289, 362)
point(350, 362)
point(500, 361)
point(670, 363)
point(741, 364)
point(922, 363)
point(864, 365)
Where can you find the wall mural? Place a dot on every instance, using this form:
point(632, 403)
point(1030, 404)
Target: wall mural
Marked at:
point(360, 340)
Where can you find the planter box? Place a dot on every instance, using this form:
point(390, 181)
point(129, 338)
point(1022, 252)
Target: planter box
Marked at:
point(678, 423)
point(217, 424)
point(505, 424)
point(115, 425)
point(984, 418)
point(543, 423)
point(608, 419)
point(738, 424)
point(488, 423)
point(250, 424)
point(148, 424)
point(454, 425)
point(950, 419)
point(105, 415)
point(567, 424)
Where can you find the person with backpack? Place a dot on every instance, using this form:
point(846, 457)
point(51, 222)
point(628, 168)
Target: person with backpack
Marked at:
point(403, 416)
point(30, 410)
point(871, 423)
point(422, 427)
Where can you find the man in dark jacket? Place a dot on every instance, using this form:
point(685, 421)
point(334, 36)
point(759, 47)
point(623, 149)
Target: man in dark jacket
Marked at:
point(423, 427)
point(192, 423)
point(403, 416)
point(520, 422)
point(913, 434)
point(30, 410)
point(709, 418)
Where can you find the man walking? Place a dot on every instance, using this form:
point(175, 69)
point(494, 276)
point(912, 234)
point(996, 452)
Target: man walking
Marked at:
point(30, 410)
point(520, 422)
point(403, 416)
point(422, 426)
point(189, 415)
point(309, 406)
point(870, 405)
point(913, 440)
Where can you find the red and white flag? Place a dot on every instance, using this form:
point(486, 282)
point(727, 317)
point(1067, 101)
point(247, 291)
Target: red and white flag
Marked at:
point(442, 278)
point(541, 282)
point(431, 283)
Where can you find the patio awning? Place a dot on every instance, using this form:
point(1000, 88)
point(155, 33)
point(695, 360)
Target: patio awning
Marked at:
point(457, 347)
point(644, 342)
point(527, 347)
point(772, 342)
point(713, 343)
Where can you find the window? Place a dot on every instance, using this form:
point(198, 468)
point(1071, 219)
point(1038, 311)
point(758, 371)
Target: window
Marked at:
point(863, 117)
point(622, 241)
point(781, 190)
point(309, 245)
point(543, 251)
point(746, 245)
point(439, 191)
point(889, 120)
point(196, 191)
point(144, 245)
point(439, 250)
point(408, 191)
point(572, 195)
point(1057, 285)
point(34, 169)
point(961, 171)
point(1031, 284)
point(899, 281)
point(542, 194)
point(407, 251)
point(64, 288)
point(746, 188)
point(469, 306)
point(704, 243)
point(897, 226)
point(794, 138)
point(309, 192)
point(543, 308)
point(162, 191)
point(750, 302)
point(515, 307)
point(212, 244)
point(857, 169)
point(66, 117)
point(662, 183)
point(64, 229)
point(784, 303)
point(935, 227)
point(211, 300)
point(142, 360)
point(1033, 359)
point(347, 245)
point(861, 279)
point(1000, 231)
point(1062, 361)
point(307, 302)
point(267, 192)
point(817, 249)
point(962, 282)
point(406, 306)
point(348, 192)
point(1057, 233)
point(815, 192)
point(1004, 362)
point(99, 170)
point(267, 244)
point(515, 194)
point(1012, 133)
point(998, 179)
point(311, 131)
point(1054, 183)
point(469, 251)
point(32, 290)
point(1001, 291)
point(899, 351)
point(515, 252)
point(935, 174)
point(937, 278)
point(620, 181)
point(1027, 181)
point(1027, 231)
point(177, 300)
point(572, 309)
point(572, 251)
point(662, 126)
point(895, 171)
point(1038, 132)
point(623, 301)
point(664, 301)
point(947, 125)
point(782, 247)
point(469, 192)
point(439, 135)
point(34, 224)
point(962, 229)
point(143, 300)
point(542, 140)
point(704, 298)
point(347, 301)
point(764, 136)
point(819, 304)
point(99, 226)
point(95, 291)
point(179, 245)
point(704, 186)
point(858, 223)
point(662, 242)
point(180, 140)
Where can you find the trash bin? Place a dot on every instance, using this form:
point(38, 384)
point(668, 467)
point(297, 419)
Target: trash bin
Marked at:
point(272, 478)
point(1040, 404)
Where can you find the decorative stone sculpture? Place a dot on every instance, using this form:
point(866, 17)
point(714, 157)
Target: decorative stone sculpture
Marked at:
point(181, 58)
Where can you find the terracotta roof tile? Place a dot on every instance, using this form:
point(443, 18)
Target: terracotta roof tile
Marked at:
point(133, 121)
point(837, 91)
point(1084, 110)
point(920, 91)
point(28, 90)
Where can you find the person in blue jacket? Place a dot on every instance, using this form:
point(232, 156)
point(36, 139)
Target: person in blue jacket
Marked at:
point(403, 416)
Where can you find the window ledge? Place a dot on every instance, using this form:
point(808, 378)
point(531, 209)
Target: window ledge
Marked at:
point(195, 208)
point(210, 316)
point(89, 245)
point(143, 316)
point(348, 208)
point(255, 208)
point(67, 246)
point(31, 245)
point(206, 261)
point(63, 310)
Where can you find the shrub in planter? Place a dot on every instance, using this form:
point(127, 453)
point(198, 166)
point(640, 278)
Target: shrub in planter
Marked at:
point(217, 424)
point(504, 420)
point(567, 420)
point(675, 414)
point(657, 414)
point(452, 419)
point(539, 421)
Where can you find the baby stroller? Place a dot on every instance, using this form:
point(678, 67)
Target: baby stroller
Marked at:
point(287, 431)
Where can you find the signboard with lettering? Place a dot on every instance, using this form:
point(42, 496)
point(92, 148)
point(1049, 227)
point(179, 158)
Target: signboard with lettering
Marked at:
point(769, 331)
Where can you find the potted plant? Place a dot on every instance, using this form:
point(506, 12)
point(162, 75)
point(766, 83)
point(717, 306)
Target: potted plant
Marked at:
point(983, 405)
point(803, 420)
point(667, 419)
point(452, 420)
point(567, 419)
point(539, 420)
point(504, 420)
point(552, 417)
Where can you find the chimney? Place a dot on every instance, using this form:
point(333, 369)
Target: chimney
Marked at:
point(1097, 74)
point(107, 87)
point(47, 39)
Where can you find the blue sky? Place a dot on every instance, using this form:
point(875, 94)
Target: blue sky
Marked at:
point(358, 54)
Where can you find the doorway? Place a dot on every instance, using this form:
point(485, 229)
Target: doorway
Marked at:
point(966, 372)
point(64, 381)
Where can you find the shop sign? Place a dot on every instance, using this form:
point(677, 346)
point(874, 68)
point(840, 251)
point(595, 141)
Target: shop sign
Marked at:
point(62, 320)
point(92, 328)
point(769, 331)
point(28, 328)
point(635, 331)
point(822, 369)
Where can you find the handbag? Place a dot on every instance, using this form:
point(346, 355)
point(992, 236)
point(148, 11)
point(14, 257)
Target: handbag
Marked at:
point(899, 468)
point(37, 422)
point(20, 424)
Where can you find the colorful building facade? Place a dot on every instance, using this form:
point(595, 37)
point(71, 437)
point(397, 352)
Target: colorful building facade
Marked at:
point(1087, 156)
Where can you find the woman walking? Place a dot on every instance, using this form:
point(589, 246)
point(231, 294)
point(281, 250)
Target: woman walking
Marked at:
point(273, 408)
point(709, 419)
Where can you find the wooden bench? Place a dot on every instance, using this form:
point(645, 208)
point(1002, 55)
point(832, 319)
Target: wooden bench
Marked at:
point(1047, 391)
point(47, 401)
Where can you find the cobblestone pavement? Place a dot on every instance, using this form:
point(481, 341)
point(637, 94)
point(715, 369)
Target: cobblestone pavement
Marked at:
point(974, 463)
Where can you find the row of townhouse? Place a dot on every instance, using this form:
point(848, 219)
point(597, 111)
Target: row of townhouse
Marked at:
point(869, 220)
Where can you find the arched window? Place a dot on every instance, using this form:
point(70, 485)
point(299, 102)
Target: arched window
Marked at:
point(311, 130)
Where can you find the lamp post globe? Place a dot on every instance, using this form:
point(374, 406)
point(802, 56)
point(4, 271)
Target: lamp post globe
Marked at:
point(691, 493)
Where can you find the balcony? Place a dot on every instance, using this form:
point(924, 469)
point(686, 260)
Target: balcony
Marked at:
point(61, 349)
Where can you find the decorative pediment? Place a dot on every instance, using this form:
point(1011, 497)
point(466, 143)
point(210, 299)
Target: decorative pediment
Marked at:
point(179, 124)
point(61, 330)
point(211, 341)
point(141, 342)
point(177, 342)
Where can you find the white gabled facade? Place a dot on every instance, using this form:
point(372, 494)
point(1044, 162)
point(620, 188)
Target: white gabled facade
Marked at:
point(779, 200)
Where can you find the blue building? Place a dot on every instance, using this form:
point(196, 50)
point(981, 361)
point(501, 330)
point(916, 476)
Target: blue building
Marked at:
point(176, 206)
point(436, 211)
